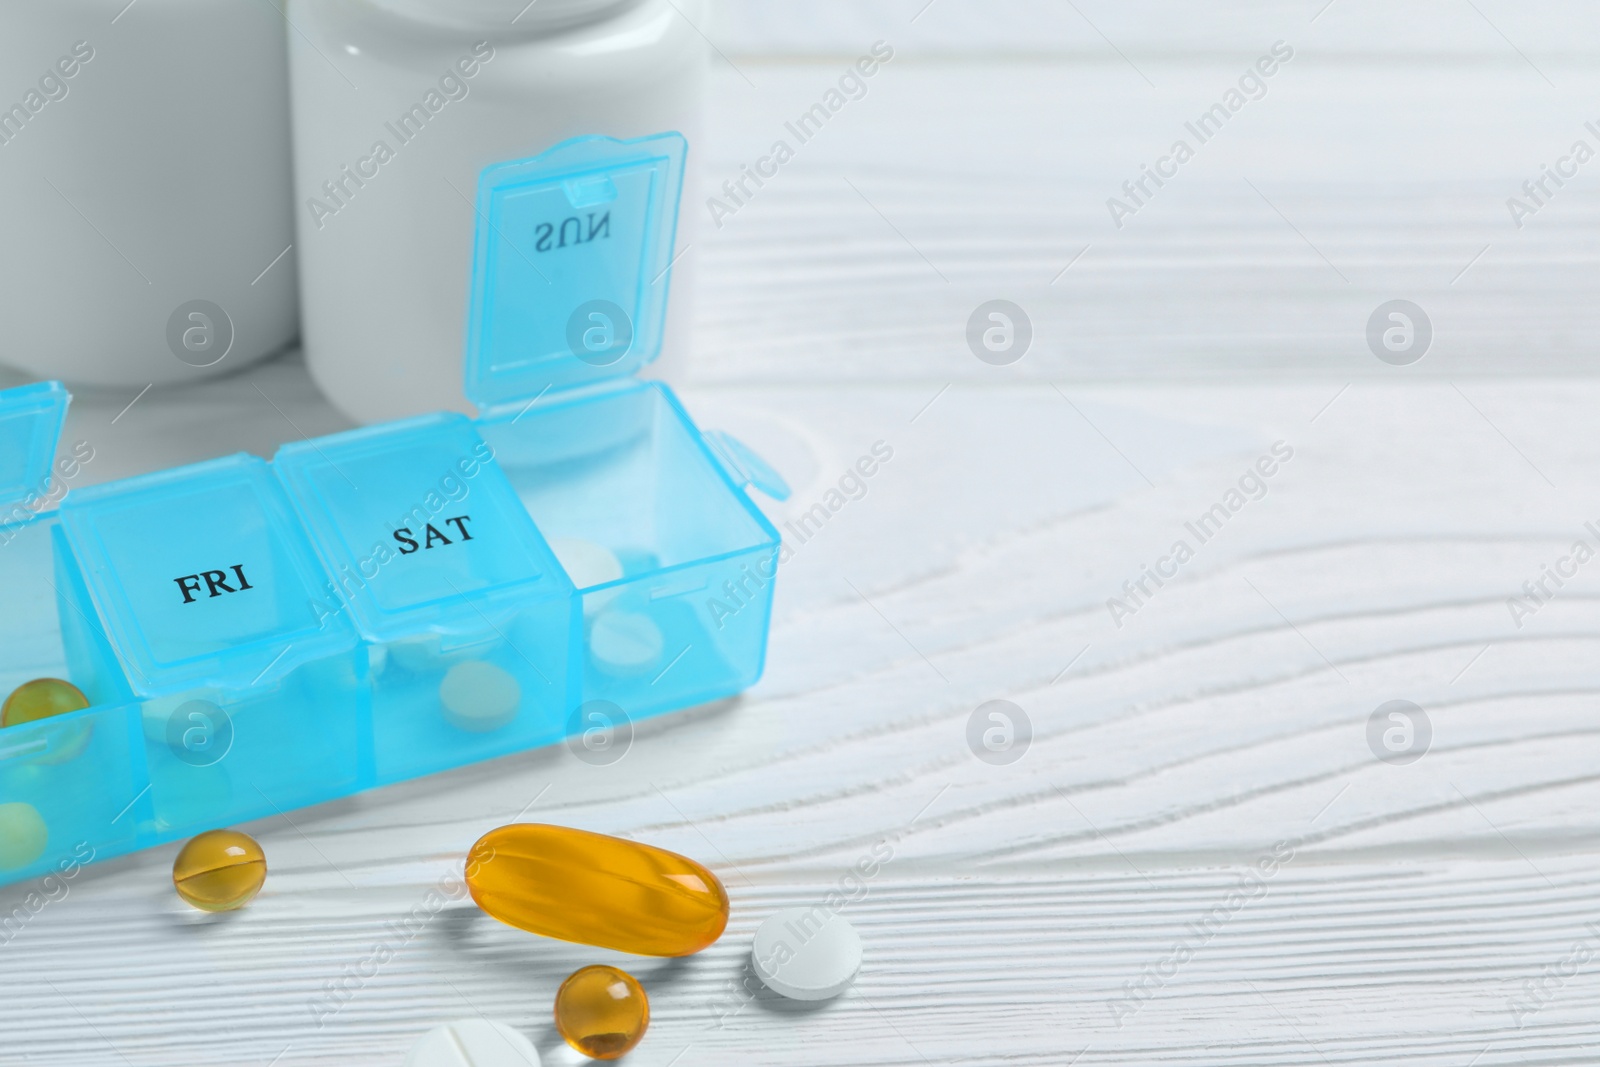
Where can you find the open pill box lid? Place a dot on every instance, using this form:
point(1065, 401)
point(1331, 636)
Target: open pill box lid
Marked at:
point(203, 577)
point(571, 266)
point(30, 424)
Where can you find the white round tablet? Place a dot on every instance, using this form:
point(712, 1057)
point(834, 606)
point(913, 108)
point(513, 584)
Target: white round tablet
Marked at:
point(479, 696)
point(588, 564)
point(625, 642)
point(473, 1043)
point(806, 953)
point(155, 712)
point(419, 655)
point(429, 653)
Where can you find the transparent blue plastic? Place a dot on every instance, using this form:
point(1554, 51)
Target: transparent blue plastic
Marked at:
point(673, 563)
point(30, 423)
point(64, 781)
point(203, 578)
point(571, 267)
point(401, 599)
point(221, 623)
point(682, 619)
point(472, 621)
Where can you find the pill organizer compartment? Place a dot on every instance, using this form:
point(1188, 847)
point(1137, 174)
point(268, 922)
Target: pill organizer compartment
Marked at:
point(473, 625)
point(673, 563)
point(64, 781)
point(605, 553)
point(682, 619)
point(220, 621)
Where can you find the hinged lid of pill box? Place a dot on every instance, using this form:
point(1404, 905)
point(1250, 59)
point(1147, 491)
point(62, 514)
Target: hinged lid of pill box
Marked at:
point(571, 266)
point(419, 526)
point(31, 417)
point(202, 576)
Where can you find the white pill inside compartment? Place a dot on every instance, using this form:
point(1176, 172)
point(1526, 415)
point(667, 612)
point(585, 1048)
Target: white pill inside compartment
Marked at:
point(479, 696)
point(589, 564)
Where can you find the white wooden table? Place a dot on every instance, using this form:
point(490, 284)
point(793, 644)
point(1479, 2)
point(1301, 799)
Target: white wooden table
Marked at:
point(1082, 903)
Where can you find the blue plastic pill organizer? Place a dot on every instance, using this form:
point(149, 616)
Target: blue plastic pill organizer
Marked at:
point(401, 599)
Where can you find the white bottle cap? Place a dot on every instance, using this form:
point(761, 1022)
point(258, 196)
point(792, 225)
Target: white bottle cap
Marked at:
point(505, 17)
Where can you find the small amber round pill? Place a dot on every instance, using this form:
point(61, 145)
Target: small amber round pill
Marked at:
point(596, 890)
point(40, 699)
point(602, 1012)
point(220, 870)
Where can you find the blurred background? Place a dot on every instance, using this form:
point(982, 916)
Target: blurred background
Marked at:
point(1377, 166)
point(1436, 153)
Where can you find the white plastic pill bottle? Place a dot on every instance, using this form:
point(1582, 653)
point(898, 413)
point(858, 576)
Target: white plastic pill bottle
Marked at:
point(398, 105)
point(145, 177)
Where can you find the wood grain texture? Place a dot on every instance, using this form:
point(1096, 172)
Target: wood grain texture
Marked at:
point(1098, 29)
point(1350, 182)
point(1419, 916)
point(1082, 904)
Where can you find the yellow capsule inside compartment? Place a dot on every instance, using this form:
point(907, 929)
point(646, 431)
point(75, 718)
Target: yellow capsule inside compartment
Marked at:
point(220, 870)
point(23, 835)
point(41, 699)
point(45, 698)
point(596, 890)
point(602, 1012)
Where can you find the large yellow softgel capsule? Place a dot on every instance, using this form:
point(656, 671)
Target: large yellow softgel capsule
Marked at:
point(602, 1012)
point(40, 699)
point(220, 870)
point(596, 890)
